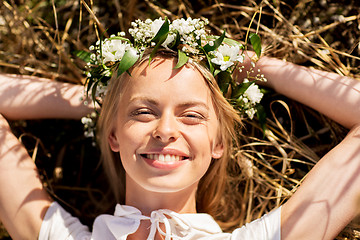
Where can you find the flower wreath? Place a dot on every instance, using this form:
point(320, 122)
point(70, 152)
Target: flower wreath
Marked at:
point(191, 40)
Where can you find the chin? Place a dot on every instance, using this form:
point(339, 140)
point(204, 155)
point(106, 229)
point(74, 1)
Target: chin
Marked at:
point(169, 187)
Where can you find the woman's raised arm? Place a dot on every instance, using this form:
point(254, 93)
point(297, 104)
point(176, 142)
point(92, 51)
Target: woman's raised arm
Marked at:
point(336, 96)
point(329, 198)
point(26, 97)
point(23, 201)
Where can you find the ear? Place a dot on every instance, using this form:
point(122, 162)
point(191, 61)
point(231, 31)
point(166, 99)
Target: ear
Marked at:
point(113, 142)
point(218, 151)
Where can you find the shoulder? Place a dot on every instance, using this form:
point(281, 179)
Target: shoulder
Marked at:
point(59, 224)
point(266, 227)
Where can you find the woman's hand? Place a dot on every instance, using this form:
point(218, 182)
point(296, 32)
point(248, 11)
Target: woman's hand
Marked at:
point(337, 97)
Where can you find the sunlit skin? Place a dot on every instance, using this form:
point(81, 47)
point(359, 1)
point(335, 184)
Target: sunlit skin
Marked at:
point(165, 112)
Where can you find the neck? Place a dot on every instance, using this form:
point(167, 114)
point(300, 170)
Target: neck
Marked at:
point(182, 201)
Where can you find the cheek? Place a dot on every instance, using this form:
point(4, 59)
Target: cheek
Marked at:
point(202, 141)
point(132, 135)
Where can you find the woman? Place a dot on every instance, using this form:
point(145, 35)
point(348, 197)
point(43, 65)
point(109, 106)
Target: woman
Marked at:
point(174, 114)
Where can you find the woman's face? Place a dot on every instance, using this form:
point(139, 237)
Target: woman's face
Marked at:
point(166, 128)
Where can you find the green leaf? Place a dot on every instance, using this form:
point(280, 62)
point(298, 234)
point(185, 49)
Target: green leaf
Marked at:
point(240, 89)
point(153, 52)
point(120, 38)
point(216, 72)
point(256, 43)
point(182, 59)
point(83, 55)
point(232, 42)
point(89, 83)
point(176, 42)
point(224, 79)
point(93, 91)
point(211, 66)
point(129, 59)
point(161, 35)
point(261, 115)
point(207, 48)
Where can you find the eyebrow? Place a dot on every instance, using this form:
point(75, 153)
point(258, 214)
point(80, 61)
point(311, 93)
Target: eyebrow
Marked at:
point(182, 105)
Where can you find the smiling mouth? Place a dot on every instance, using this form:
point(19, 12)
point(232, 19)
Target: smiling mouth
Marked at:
point(164, 157)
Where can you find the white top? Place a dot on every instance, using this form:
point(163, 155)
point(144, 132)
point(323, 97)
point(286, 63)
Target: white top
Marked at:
point(60, 225)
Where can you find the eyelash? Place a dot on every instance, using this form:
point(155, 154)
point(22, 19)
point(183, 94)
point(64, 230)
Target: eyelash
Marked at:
point(189, 118)
point(140, 112)
point(194, 115)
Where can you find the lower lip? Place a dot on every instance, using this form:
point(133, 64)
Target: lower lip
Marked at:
point(164, 165)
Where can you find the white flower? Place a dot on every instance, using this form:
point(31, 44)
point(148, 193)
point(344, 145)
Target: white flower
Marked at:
point(132, 51)
point(93, 56)
point(190, 30)
point(107, 72)
point(113, 50)
point(184, 27)
point(225, 56)
point(169, 39)
point(86, 120)
point(89, 133)
point(101, 91)
point(244, 99)
point(253, 94)
point(156, 25)
point(93, 115)
point(250, 112)
point(144, 32)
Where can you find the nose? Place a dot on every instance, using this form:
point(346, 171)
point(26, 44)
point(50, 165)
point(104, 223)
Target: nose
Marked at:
point(166, 129)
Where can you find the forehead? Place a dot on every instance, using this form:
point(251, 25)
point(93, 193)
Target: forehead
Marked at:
point(160, 78)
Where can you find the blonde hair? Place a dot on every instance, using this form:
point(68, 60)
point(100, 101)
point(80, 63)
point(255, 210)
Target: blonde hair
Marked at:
point(210, 196)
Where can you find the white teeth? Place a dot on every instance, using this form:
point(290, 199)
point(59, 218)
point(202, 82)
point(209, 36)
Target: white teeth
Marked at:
point(164, 158)
point(168, 158)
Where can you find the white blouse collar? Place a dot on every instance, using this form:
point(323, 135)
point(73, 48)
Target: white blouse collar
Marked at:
point(126, 220)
